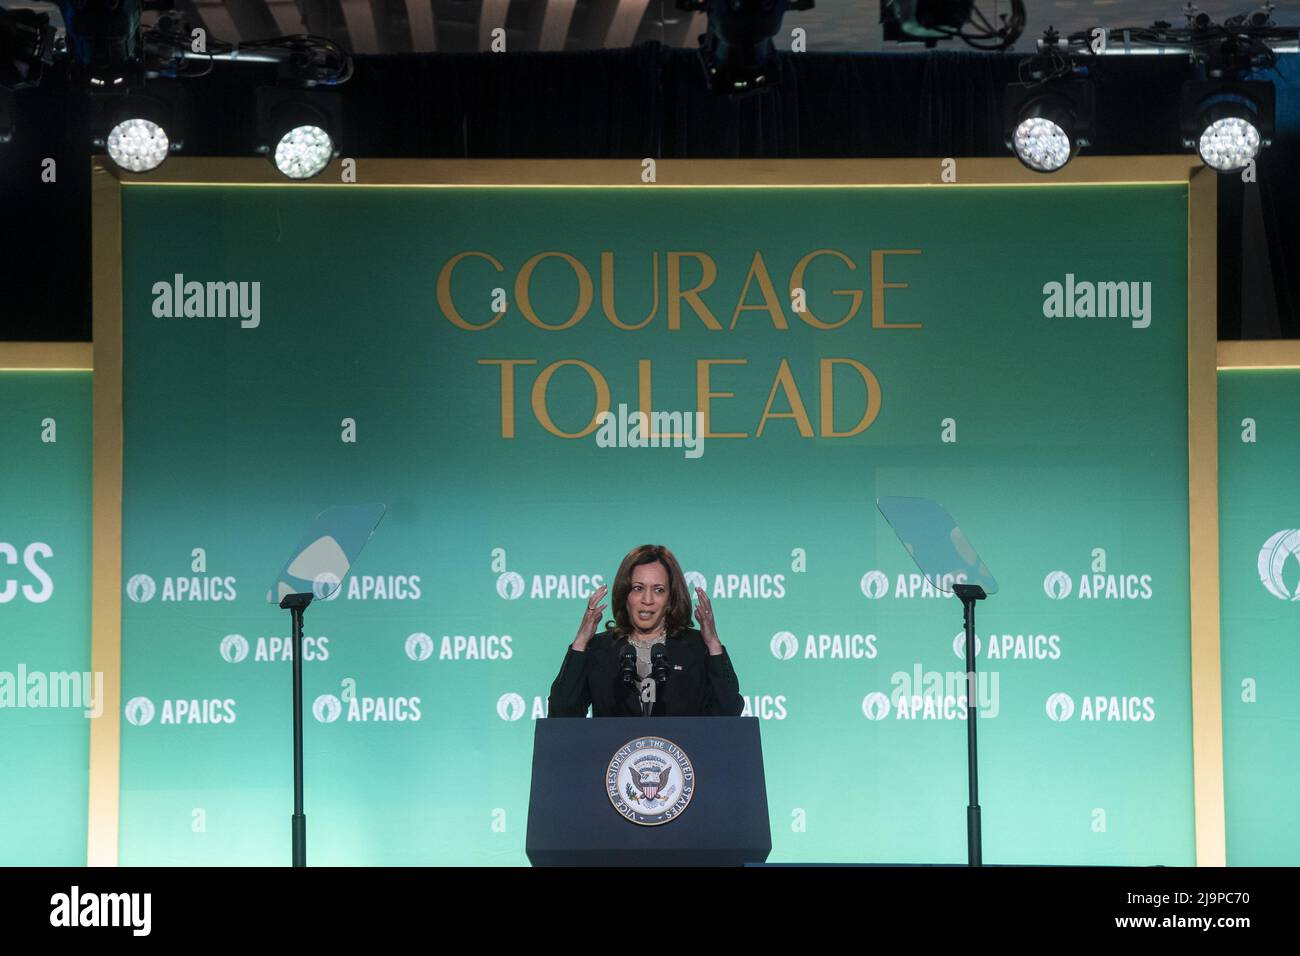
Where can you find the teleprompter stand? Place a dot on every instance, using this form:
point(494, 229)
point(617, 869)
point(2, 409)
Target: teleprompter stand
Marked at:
point(969, 594)
point(296, 604)
point(949, 563)
point(316, 569)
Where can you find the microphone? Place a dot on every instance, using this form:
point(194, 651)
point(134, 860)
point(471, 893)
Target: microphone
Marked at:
point(627, 665)
point(659, 664)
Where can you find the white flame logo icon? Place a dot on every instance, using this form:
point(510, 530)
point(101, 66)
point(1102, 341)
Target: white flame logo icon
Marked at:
point(139, 711)
point(959, 645)
point(1057, 585)
point(1272, 559)
point(510, 707)
point(875, 706)
point(234, 648)
point(326, 708)
point(874, 584)
point(696, 580)
point(1060, 707)
point(784, 645)
point(326, 586)
point(419, 647)
point(141, 588)
point(510, 585)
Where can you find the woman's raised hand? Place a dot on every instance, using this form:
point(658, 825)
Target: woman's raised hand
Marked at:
point(590, 618)
point(708, 630)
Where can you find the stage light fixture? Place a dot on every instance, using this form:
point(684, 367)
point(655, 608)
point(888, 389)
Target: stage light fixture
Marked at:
point(737, 51)
point(27, 45)
point(138, 128)
point(1047, 122)
point(298, 129)
point(138, 145)
point(303, 152)
point(1227, 122)
point(103, 37)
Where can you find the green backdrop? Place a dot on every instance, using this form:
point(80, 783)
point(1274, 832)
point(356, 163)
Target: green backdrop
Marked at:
point(44, 617)
point(1057, 440)
point(1259, 577)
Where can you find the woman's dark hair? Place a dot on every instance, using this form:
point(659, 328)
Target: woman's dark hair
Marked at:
point(678, 615)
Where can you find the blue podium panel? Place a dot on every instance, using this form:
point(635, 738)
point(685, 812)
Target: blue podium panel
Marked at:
point(632, 791)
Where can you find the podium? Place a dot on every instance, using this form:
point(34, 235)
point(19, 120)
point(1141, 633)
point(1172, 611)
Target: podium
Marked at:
point(659, 791)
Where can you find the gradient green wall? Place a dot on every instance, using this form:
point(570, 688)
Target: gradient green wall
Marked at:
point(44, 616)
point(1259, 577)
point(1069, 465)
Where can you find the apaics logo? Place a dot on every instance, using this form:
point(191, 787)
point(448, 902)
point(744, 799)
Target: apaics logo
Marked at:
point(419, 647)
point(1058, 586)
point(907, 586)
point(839, 646)
point(326, 708)
point(368, 587)
point(511, 585)
point(1102, 707)
point(141, 588)
point(1014, 647)
point(748, 585)
point(875, 706)
point(875, 584)
point(9, 587)
point(784, 645)
point(1099, 587)
point(1273, 562)
point(1060, 706)
point(510, 707)
point(234, 648)
point(139, 711)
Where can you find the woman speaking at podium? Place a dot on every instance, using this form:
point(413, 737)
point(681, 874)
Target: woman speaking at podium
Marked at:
point(650, 659)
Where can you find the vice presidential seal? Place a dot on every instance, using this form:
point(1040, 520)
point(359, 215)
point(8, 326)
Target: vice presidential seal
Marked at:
point(650, 781)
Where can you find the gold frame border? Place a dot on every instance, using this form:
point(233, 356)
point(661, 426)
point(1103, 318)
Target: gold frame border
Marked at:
point(1203, 515)
point(46, 357)
point(106, 588)
point(1202, 364)
point(670, 173)
point(1259, 354)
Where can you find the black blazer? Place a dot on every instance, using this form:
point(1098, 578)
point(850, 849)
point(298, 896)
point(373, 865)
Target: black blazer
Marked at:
point(699, 684)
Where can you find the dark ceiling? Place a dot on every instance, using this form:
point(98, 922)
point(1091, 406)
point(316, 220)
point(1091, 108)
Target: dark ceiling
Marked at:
point(464, 26)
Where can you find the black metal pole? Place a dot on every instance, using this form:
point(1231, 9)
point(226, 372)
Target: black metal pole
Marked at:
point(297, 603)
point(969, 594)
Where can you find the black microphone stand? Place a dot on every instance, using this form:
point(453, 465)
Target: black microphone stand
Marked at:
point(627, 670)
point(969, 594)
point(296, 604)
point(659, 671)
